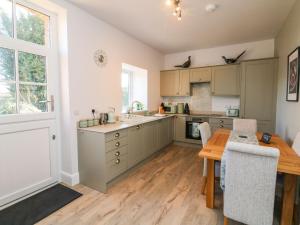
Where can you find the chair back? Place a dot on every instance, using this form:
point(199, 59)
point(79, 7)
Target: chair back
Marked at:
point(245, 125)
point(205, 133)
point(250, 179)
point(296, 144)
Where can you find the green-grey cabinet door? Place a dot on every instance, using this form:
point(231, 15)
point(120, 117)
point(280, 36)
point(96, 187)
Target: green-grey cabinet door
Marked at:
point(179, 128)
point(149, 138)
point(136, 152)
point(226, 80)
point(258, 96)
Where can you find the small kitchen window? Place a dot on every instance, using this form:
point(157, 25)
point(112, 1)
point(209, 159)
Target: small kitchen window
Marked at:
point(134, 83)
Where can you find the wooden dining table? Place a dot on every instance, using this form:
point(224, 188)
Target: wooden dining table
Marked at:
point(288, 165)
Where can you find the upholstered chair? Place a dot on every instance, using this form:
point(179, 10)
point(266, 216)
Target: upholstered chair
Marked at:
point(250, 180)
point(245, 125)
point(205, 132)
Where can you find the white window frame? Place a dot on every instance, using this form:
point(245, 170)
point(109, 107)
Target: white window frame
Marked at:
point(49, 51)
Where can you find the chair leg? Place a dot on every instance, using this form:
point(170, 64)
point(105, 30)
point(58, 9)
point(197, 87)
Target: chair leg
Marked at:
point(225, 220)
point(203, 187)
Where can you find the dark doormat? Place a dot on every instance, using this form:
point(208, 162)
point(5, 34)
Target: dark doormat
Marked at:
point(37, 207)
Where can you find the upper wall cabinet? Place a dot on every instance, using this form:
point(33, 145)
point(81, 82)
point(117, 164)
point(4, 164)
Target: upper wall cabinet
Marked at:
point(175, 83)
point(199, 75)
point(226, 80)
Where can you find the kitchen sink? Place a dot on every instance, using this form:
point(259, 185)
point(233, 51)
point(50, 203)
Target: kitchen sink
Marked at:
point(132, 119)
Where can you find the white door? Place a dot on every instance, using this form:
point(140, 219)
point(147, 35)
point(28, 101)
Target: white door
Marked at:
point(28, 100)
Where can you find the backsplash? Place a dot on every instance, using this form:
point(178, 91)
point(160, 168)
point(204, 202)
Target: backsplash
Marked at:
point(201, 99)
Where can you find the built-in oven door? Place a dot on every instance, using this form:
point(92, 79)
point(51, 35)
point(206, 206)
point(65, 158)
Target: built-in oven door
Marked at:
point(192, 130)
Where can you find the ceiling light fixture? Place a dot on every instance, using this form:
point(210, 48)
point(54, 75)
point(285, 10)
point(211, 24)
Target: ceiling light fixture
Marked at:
point(177, 8)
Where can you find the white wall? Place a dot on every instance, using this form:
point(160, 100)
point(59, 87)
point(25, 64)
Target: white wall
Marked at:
point(288, 119)
point(212, 56)
point(85, 85)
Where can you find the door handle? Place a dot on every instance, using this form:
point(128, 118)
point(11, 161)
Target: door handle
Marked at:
point(51, 101)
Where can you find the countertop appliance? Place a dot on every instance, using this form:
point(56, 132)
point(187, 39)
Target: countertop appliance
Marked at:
point(180, 108)
point(187, 109)
point(232, 112)
point(171, 109)
point(192, 127)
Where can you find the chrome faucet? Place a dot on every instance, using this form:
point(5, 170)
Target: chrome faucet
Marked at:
point(130, 109)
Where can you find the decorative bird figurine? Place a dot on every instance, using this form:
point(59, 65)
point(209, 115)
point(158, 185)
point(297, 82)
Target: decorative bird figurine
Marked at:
point(232, 60)
point(186, 64)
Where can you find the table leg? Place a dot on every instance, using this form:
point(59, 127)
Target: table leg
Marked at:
point(210, 193)
point(289, 190)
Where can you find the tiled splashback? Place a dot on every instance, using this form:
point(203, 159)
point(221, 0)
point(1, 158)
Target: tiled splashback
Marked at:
point(201, 99)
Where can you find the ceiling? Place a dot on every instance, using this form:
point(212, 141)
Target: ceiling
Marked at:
point(152, 22)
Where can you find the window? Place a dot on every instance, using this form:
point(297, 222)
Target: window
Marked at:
point(134, 88)
point(24, 55)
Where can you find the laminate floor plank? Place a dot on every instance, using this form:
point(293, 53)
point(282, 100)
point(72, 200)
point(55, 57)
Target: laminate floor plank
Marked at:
point(164, 191)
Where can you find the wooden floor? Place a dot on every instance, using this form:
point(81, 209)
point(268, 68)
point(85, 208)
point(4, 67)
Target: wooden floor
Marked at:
point(165, 190)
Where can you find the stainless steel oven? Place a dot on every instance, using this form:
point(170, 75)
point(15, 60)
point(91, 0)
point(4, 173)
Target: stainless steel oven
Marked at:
point(191, 128)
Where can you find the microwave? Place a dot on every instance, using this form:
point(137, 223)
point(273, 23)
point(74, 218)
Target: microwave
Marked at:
point(172, 109)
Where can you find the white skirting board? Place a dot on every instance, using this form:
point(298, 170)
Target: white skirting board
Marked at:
point(70, 179)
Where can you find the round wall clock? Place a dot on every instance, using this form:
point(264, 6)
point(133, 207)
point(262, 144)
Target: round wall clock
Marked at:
point(100, 58)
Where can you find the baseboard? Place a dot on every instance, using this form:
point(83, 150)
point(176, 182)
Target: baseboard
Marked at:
point(70, 179)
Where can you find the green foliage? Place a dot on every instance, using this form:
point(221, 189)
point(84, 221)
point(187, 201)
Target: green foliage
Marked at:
point(32, 68)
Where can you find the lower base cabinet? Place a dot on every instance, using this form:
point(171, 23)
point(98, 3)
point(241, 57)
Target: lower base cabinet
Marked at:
point(105, 156)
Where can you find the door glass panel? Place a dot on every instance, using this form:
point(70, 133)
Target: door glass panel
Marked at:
point(7, 98)
point(7, 64)
point(32, 26)
point(32, 68)
point(33, 98)
point(6, 24)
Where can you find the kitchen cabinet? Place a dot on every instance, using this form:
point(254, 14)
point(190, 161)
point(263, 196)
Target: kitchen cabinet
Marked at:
point(184, 83)
point(218, 123)
point(150, 139)
point(175, 83)
point(199, 75)
point(136, 145)
point(169, 83)
point(258, 94)
point(105, 156)
point(179, 126)
point(226, 80)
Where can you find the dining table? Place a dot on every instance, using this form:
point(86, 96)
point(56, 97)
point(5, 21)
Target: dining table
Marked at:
point(288, 166)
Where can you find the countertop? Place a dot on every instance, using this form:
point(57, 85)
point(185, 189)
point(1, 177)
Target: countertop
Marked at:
point(123, 125)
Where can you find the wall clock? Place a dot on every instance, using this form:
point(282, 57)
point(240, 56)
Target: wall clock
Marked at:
point(100, 58)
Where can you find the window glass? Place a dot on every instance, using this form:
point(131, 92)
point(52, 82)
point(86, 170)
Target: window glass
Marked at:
point(6, 22)
point(125, 91)
point(134, 88)
point(32, 26)
point(7, 64)
point(32, 68)
point(33, 98)
point(7, 98)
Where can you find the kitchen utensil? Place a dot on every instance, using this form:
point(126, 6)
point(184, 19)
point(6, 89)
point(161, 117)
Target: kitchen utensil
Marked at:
point(111, 115)
point(187, 109)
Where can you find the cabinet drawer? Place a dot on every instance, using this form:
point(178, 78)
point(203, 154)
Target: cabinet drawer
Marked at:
point(200, 75)
point(116, 167)
point(116, 153)
point(221, 121)
point(115, 135)
point(115, 144)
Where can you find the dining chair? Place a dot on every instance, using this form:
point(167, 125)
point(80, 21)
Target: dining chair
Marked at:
point(245, 125)
point(205, 132)
point(296, 147)
point(250, 179)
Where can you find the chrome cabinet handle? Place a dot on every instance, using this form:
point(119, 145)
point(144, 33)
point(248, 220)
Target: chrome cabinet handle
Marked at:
point(117, 144)
point(117, 135)
point(138, 127)
point(221, 126)
point(117, 153)
point(117, 161)
point(221, 121)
